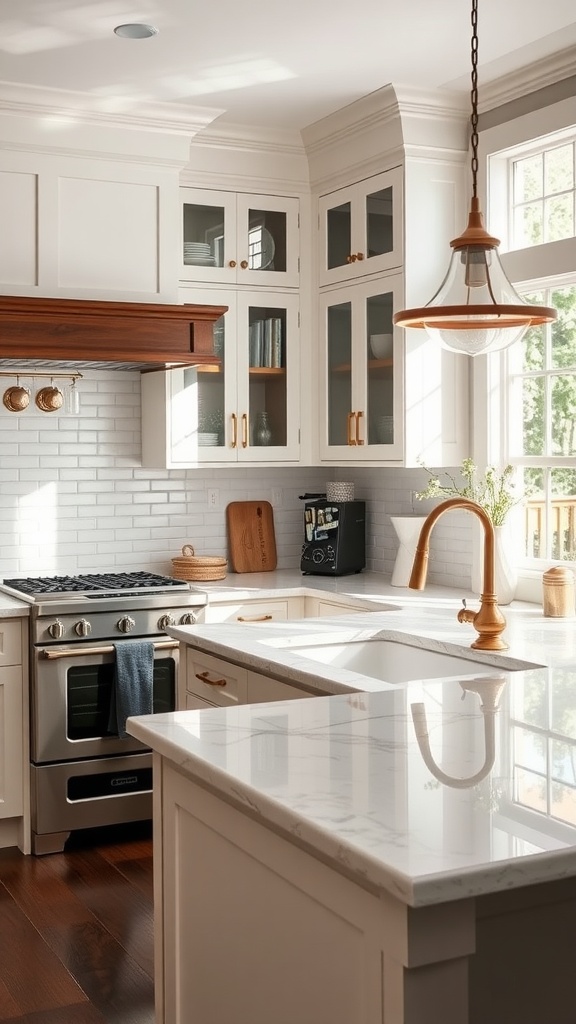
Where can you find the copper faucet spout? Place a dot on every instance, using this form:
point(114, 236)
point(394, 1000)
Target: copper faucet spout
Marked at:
point(488, 621)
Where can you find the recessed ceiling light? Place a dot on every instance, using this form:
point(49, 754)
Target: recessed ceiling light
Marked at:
point(136, 30)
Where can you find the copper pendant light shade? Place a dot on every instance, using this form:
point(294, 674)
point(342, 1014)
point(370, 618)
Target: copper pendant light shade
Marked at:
point(476, 310)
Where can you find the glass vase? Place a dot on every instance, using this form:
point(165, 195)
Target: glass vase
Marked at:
point(505, 575)
point(262, 430)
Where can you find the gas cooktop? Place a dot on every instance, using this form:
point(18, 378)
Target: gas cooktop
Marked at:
point(95, 583)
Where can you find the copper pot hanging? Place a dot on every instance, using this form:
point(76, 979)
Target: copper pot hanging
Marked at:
point(49, 399)
point(16, 398)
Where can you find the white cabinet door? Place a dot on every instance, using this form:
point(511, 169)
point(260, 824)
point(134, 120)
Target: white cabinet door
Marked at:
point(238, 238)
point(11, 742)
point(361, 228)
point(245, 407)
point(361, 396)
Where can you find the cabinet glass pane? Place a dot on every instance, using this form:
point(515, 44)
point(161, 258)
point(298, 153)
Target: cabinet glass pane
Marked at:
point(339, 328)
point(379, 239)
point(380, 365)
point(338, 237)
point(266, 240)
point(203, 235)
point(268, 364)
point(205, 386)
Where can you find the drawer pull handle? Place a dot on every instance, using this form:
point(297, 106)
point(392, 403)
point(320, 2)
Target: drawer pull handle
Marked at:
point(203, 677)
point(253, 618)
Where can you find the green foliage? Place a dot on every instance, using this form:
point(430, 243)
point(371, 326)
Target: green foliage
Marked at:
point(494, 492)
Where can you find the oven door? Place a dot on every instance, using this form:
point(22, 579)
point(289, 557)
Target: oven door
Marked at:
point(71, 692)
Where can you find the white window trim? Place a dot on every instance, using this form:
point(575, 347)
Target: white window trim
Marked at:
point(488, 419)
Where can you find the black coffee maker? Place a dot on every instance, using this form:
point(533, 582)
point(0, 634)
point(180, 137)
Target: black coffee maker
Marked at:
point(335, 537)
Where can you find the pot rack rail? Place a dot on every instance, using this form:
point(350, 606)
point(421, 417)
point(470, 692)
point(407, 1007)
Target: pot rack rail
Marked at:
point(74, 375)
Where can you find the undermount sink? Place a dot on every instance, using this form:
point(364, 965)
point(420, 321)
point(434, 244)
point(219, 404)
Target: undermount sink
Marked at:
point(393, 660)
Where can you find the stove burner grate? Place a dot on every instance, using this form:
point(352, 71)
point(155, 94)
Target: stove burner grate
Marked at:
point(102, 582)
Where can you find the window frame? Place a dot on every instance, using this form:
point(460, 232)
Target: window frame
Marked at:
point(545, 265)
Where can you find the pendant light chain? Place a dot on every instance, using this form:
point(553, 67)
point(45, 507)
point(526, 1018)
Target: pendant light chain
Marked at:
point(476, 309)
point(474, 97)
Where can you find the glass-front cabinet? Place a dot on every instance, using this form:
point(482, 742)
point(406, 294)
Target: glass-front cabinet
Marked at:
point(361, 228)
point(361, 399)
point(244, 407)
point(237, 238)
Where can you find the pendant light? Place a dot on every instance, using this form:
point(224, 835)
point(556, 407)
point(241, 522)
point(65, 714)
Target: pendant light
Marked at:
point(475, 310)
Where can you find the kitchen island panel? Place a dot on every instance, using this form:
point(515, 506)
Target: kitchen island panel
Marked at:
point(297, 940)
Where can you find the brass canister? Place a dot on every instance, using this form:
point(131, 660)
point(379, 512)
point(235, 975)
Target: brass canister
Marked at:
point(558, 592)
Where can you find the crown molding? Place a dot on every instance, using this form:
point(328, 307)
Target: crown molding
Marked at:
point(250, 139)
point(517, 84)
point(88, 109)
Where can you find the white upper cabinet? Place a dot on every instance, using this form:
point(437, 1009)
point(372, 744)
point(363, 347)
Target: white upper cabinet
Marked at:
point(243, 409)
point(87, 228)
point(236, 238)
point(361, 373)
point(360, 228)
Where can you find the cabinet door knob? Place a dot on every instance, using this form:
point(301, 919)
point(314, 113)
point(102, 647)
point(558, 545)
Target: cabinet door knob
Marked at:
point(351, 258)
point(232, 263)
point(234, 430)
point(359, 416)
point(244, 430)
point(351, 439)
point(359, 255)
point(244, 264)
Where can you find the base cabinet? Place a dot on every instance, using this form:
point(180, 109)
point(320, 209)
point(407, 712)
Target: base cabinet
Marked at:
point(300, 941)
point(14, 828)
point(208, 682)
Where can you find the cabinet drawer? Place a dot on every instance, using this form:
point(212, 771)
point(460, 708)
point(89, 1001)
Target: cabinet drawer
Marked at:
point(215, 681)
point(12, 636)
point(250, 612)
point(261, 689)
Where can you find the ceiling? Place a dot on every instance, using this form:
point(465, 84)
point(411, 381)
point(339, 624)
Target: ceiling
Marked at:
point(266, 64)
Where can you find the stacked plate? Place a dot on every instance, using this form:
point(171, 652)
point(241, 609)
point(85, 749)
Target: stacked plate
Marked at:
point(199, 254)
point(207, 440)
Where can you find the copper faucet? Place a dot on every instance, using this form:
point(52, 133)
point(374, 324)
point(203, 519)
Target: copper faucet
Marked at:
point(488, 622)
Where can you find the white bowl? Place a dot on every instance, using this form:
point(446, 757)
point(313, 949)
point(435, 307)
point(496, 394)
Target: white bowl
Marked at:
point(381, 345)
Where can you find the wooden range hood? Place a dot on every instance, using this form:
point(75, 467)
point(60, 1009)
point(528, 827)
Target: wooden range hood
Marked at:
point(115, 332)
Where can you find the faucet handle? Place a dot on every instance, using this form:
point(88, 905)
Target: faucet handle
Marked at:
point(464, 615)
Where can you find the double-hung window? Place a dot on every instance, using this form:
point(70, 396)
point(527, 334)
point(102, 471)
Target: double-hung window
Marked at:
point(534, 188)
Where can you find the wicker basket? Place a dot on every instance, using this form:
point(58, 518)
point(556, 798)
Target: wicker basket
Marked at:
point(198, 568)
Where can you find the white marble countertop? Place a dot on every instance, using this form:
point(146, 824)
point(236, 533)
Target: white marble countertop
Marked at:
point(12, 608)
point(349, 776)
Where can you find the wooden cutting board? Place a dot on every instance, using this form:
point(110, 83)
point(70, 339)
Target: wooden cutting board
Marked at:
point(251, 539)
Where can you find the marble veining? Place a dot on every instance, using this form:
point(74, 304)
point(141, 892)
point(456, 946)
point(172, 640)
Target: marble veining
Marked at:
point(350, 783)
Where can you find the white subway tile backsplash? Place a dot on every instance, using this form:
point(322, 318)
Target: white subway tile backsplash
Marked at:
point(74, 496)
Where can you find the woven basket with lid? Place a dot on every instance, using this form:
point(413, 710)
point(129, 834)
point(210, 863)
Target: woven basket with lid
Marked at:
point(198, 568)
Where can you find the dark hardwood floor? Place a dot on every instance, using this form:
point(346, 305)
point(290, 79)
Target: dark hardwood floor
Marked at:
point(76, 931)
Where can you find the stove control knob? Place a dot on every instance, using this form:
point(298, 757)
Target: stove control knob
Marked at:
point(166, 620)
point(56, 629)
point(125, 624)
point(83, 627)
point(189, 619)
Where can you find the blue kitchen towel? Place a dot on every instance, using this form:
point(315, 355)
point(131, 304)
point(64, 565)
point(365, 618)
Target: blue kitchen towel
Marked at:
point(133, 681)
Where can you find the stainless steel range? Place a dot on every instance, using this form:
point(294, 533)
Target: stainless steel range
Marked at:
point(83, 774)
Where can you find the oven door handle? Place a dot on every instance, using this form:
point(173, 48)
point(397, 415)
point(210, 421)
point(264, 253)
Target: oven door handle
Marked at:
point(109, 649)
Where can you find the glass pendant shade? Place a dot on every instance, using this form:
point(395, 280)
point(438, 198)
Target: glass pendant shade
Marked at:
point(475, 310)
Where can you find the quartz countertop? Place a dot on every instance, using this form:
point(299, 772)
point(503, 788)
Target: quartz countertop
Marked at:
point(416, 789)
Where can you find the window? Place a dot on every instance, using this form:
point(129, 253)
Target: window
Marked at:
point(542, 187)
point(533, 189)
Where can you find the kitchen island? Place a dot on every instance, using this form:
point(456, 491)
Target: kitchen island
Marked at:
point(398, 854)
